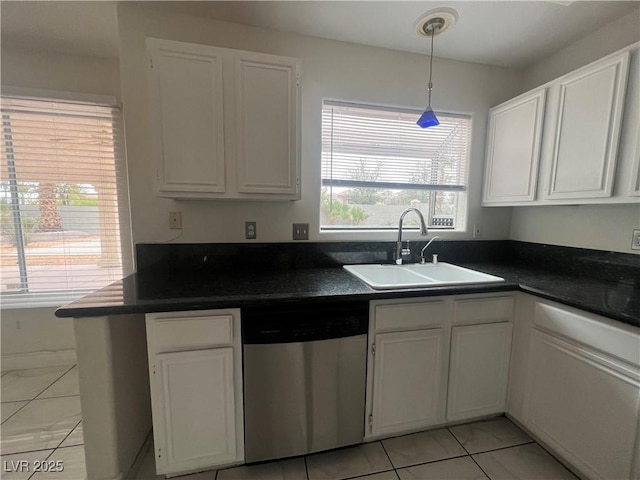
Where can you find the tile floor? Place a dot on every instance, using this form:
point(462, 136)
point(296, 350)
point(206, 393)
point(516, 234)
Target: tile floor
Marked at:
point(41, 421)
point(493, 449)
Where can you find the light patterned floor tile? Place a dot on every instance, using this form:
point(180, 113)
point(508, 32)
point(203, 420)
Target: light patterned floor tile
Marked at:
point(40, 425)
point(293, 469)
point(20, 466)
point(28, 384)
point(422, 447)
point(489, 435)
point(65, 464)
point(76, 437)
point(525, 462)
point(9, 408)
point(348, 462)
point(63, 387)
point(463, 468)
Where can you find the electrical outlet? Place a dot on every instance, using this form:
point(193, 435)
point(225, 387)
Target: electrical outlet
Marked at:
point(301, 231)
point(175, 220)
point(635, 242)
point(477, 230)
point(250, 232)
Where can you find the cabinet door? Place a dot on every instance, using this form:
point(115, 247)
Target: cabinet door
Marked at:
point(186, 110)
point(583, 405)
point(478, 370)
point(587, 130)
point(267, 119)
point(194, 410)
point(513, 149)
point(407, 380)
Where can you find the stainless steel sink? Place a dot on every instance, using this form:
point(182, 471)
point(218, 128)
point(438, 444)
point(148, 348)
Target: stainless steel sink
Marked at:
point(383, 277)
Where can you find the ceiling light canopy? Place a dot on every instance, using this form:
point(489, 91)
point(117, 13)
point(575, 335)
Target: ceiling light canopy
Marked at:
point(431, 24)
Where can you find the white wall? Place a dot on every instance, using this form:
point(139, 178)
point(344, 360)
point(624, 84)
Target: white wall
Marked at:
point(330, 69)
point(32, 336)
point(601, 227)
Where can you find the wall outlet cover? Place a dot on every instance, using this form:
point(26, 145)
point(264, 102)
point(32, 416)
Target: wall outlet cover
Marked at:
point(175, 220)
point(250, 230)
point(301, 231)
point(635, 242)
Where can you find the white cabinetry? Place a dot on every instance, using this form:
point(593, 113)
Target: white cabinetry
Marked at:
point(225, 123)
point(408, 379)
point(513, 149)
point(409, 363)
point(587, 129)
point(479, 370)
point(480, 353)
point(570, 141)
point(408, 351)
point(580, 389)
point(196, 389)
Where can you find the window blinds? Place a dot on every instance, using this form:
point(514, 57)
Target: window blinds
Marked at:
point(384, 148)
point(59, 197)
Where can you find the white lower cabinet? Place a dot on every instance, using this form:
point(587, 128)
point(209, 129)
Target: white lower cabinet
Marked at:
point(408, 380)
point(196, 389)
point(577, 388)
point(421, 350)
point(478, 370)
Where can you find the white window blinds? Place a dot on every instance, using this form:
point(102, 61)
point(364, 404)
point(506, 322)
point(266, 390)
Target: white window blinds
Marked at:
point(384, 148)
point(59, 187)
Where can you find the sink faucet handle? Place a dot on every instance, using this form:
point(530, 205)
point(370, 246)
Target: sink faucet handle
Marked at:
point(406, 250)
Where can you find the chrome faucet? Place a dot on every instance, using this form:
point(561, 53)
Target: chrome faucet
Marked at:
point(423, 231)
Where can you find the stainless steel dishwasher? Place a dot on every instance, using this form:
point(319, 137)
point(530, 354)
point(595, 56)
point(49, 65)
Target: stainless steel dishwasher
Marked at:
point(304, 378)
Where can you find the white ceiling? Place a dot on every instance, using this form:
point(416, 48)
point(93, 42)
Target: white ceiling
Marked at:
point(502, 33)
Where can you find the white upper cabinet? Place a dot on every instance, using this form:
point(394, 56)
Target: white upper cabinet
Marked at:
point(267, 119)
point(570, 141)
point(224, 123)
point(513, 149)
point(187, 118)
point(587, 131)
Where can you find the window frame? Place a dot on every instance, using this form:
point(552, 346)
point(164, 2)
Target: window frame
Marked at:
point(462, 207)
point(10, 301)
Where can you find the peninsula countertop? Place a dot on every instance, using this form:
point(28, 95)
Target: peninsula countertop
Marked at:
point(170, 291)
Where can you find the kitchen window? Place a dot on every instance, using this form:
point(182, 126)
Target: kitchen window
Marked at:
point(62, 187)
point(376, 162)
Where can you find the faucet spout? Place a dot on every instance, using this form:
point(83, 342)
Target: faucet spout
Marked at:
point(423, 232)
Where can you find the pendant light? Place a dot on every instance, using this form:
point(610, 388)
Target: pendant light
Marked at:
point(431, 24)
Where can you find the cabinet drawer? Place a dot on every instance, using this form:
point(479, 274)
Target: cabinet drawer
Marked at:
point(183, 332)
point(409, 316)
point(483, 310)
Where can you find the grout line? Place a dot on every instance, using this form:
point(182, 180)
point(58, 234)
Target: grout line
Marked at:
point(503, 448)
point(70, 431)
point(454, 436)
point(67, 371)
point(57, 396)
point(433, 461)
point(364, 475)
point(27, 402)
point(387, 454)
point(306, 467)
point(48, 457)
point(481, 469)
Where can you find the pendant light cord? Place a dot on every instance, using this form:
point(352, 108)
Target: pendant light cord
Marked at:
point(431, 65)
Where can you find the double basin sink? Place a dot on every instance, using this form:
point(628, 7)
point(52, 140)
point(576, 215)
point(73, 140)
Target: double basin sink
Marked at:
point(387, 277)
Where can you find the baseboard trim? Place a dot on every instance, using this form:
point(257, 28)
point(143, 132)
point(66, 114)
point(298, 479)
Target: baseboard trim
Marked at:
point(43, 358)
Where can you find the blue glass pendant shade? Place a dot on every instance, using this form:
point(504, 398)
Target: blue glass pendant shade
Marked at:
point(428, 119)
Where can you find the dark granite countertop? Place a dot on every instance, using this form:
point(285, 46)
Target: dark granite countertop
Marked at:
point(196, 288)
